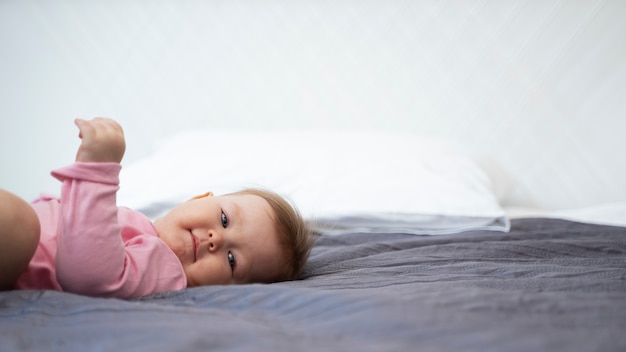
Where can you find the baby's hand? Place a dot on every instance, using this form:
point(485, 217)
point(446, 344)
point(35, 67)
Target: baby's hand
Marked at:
point(102, 140)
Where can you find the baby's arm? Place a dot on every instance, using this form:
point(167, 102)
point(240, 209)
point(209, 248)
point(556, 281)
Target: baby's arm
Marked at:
point(90, 255)
point(102, 141)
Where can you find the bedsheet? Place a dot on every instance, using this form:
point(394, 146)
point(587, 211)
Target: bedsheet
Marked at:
point(547, 285)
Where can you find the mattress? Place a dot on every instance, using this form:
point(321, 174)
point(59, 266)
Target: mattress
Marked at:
point(546, 285)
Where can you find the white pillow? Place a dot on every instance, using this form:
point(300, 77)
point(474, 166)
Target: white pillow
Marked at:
point(343, 181)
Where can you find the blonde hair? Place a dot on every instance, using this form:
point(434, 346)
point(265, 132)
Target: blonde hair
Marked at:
point(295, 236)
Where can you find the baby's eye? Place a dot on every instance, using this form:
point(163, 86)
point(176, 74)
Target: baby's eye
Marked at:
point(224, 220)
point(231, 260)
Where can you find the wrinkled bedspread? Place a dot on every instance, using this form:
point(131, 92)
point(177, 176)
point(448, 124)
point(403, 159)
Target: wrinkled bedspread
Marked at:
point(548, 285)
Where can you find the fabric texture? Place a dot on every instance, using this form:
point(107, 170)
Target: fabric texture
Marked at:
point(547, 285)
point(90, 246)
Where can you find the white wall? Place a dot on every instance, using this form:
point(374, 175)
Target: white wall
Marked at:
point(535, 87)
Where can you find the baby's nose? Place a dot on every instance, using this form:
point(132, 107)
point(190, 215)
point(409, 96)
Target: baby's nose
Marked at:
point(215, 241)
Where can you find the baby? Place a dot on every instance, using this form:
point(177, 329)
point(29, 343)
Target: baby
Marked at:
point(83, 243)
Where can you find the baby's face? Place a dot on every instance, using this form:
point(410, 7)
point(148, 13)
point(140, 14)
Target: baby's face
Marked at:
point(223, 240)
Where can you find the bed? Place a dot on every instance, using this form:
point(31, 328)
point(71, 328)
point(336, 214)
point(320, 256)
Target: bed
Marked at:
point(454, 273)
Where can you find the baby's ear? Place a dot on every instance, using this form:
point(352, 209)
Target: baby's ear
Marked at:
point(207, 194)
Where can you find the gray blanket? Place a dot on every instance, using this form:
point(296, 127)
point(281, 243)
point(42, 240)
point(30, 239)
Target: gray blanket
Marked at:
point(548, 285)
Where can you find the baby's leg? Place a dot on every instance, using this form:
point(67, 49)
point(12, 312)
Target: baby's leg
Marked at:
point(19, 236)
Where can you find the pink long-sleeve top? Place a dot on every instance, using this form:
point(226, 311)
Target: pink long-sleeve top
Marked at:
point(90, 246)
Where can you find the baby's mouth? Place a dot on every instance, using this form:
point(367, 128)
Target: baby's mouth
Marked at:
point(194, 244)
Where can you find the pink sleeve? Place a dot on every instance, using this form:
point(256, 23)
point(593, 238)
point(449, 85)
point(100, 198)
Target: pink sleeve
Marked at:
point(91, 255)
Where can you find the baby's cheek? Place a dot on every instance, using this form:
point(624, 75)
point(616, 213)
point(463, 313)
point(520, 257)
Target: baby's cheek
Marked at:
point(209, 271)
